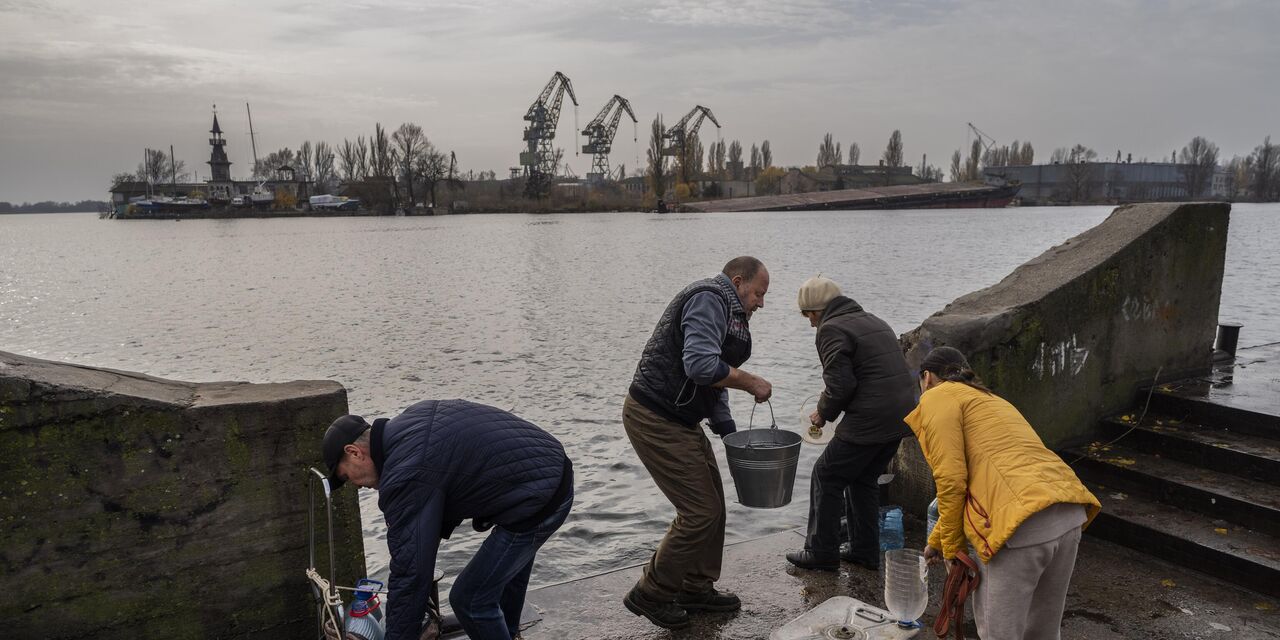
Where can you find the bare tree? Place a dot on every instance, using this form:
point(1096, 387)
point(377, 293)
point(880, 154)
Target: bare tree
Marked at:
point(1079, 173)
point(957, 172)
point(1199, 160)
point(351, 160)
point(827, 152)
point(657, 162)
point(432, 167)
point(1266, 171)
point(735, 160)
point(322, 162)
point(755, 161)
point(1028, 156)
point(157, 167)
point(409, 142)
point(928, 172)
point(855, 153)
point(893, 151)
point(973, 165)
point(381, 160)
point(267, 166)
point(304, 161)
point(766, 155)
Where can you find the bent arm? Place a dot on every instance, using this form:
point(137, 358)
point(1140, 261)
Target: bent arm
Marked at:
point(413, 541)
point(837, 374)
point(941, 431)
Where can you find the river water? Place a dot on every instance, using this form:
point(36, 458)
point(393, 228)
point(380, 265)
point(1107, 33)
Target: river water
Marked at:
point(542, 314)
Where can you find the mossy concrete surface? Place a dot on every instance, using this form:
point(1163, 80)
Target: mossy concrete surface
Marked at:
point(132, 506)
point(1071, 335)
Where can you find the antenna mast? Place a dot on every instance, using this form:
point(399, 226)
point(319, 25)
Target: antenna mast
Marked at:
point(252, 142)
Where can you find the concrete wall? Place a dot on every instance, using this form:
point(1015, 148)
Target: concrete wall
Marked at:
point(135, 507)
point(1069, 336)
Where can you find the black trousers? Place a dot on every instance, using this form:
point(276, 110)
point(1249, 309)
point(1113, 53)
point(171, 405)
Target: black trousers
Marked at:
point(844, 483)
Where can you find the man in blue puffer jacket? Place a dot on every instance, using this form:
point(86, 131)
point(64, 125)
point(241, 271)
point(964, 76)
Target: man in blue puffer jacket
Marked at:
point(441, 462)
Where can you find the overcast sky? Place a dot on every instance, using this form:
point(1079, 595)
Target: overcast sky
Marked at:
point(86, 85)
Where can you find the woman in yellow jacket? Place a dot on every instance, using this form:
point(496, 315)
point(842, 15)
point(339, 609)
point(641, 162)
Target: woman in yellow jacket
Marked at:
point(1003, 493)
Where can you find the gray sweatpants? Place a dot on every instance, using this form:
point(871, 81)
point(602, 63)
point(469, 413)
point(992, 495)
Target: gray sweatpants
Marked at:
point(1023, 590)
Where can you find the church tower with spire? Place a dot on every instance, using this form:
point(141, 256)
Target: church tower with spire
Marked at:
point(219, 165)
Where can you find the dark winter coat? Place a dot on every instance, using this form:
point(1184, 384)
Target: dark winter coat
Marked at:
point(444, 461)
point(865, 374)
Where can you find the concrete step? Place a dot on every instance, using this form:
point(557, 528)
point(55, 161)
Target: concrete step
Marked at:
point(1220, 449)
point(1235, 554)
point(1245, 502)
point(1191, 403)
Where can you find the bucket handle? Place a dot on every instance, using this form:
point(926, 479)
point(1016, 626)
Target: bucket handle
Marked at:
point(773, 422)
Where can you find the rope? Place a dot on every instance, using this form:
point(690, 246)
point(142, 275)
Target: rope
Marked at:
point(962, 580)
point(329, 625)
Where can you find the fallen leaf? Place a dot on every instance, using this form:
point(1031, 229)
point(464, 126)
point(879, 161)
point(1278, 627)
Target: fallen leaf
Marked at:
point(1123, 461)
point(1220, 531)
point(1263, 606)
point(1168, 583)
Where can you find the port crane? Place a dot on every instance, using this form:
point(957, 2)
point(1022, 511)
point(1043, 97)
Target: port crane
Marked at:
point(680, 132)
point(600, 132)
point(538, 158)
point(982, 138)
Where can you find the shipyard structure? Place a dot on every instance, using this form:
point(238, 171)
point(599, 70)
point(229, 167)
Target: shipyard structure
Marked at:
point(284, 188)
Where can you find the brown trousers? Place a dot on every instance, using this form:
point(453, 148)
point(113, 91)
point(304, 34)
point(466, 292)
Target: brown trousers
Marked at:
point(683, 465)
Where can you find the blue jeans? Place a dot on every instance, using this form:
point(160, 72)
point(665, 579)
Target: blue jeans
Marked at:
point(488, 595)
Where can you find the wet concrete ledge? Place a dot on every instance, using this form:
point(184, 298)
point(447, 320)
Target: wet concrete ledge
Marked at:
point(1115, 593)
point(137, 507)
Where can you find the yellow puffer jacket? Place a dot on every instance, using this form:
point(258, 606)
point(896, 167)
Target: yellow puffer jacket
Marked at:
point(990, 468)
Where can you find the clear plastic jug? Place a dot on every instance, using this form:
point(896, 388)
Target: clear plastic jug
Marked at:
point(906, 586)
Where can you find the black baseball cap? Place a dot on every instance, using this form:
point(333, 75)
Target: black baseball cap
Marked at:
point(341, 433)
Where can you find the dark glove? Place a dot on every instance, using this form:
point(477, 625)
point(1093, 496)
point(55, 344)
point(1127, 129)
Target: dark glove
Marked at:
point(723, 429)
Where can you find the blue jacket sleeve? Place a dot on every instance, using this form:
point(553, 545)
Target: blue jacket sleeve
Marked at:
point(705, 321)
point(413, 540)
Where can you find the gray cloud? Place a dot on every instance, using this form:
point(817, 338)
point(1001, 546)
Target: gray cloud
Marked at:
point(108, 78)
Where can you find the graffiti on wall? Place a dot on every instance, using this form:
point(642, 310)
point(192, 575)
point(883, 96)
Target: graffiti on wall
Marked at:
point(1137, 309)
point(1066, 357)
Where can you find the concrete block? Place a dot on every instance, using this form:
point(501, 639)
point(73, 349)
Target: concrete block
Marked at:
point(132, 506)
point(1069, 336)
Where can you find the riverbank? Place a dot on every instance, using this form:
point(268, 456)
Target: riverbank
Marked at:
point(1115, 593)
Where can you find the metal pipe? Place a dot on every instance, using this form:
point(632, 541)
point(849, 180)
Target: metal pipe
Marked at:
point(1228, 337)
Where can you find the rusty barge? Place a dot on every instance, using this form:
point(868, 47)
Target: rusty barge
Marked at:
point(915, 196)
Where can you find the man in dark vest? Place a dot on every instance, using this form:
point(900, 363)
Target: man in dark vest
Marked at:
point(441, 462)
point(687, 366)
point(865, 377)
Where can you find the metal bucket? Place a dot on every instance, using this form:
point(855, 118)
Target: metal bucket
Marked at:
point(763, 465)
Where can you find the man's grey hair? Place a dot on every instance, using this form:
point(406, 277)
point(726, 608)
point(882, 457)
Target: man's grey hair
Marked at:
point(745, 266)
point(363, 439)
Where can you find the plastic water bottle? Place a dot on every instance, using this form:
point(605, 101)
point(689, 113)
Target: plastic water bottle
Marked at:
point(933, 517)
point(906, 586)
point(364, 617)
point(891, 536)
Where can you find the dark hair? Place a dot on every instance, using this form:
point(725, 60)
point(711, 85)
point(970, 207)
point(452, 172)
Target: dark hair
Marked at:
point(950, 365)
point(744, 266)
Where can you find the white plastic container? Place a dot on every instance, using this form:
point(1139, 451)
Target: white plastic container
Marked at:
point(842, 618)
point(906, 585)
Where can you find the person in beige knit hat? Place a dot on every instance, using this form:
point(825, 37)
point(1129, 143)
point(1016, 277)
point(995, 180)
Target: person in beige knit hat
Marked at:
point(866, 378)
point(815, 294)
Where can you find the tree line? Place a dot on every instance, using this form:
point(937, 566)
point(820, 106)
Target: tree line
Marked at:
point(49, 206)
